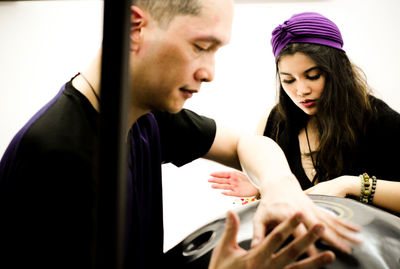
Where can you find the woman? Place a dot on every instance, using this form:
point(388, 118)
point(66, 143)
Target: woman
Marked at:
point(338, 138)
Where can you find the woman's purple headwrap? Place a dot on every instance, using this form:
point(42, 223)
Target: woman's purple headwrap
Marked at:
point(307, 27)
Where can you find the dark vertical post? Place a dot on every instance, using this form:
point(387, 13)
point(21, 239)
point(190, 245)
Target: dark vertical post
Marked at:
point(111, 199)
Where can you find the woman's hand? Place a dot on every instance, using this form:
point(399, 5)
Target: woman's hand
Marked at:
point(339, 187)
point(234, 183)
point(269, 253)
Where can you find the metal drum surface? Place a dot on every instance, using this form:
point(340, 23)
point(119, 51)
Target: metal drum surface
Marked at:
point(380, 234)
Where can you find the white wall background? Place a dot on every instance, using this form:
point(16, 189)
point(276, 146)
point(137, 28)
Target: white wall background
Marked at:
point(44, 43)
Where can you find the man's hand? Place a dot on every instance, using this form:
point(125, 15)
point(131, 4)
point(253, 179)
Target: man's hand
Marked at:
point(281, 203)
point(268, 253)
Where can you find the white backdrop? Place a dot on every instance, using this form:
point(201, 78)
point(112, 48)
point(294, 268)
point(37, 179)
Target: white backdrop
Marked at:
point(44, 43)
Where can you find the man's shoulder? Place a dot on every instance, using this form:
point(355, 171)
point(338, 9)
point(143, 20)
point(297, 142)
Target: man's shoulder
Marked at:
point(185, 118)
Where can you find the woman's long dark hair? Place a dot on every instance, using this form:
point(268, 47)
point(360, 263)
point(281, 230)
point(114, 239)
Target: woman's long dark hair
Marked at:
point(343, 107)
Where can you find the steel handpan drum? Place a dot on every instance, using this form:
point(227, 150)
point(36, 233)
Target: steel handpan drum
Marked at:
point(380, 235)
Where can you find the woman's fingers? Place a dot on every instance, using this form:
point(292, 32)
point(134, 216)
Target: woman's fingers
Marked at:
point(221, 174)
point(221, 186)
point(219, 180)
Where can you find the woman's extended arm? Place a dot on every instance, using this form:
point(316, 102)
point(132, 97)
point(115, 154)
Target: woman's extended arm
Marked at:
point(387, 193)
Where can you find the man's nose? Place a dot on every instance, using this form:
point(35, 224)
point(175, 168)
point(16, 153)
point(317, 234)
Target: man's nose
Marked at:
point(205, 73)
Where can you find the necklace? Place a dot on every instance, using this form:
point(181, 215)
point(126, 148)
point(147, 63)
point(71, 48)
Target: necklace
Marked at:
point(313, 172)
point(91, 87)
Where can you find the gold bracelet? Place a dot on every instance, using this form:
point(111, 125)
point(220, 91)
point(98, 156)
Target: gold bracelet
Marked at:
point(365, 188)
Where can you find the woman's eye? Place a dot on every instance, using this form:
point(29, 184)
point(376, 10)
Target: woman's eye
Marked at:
point(317, 76)
point(288, 81)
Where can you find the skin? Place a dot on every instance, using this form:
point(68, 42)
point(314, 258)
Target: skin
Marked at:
point(386, 193)
point(233, 183)
point(186, 49)
point(267, 254)
point(167, 67)
point(302, 81)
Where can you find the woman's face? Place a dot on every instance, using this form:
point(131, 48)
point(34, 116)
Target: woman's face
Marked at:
point(302, 81)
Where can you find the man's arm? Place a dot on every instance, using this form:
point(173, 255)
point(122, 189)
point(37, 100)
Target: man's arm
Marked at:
point(266, 165)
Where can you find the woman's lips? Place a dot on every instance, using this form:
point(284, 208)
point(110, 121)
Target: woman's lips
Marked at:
point(308, 103)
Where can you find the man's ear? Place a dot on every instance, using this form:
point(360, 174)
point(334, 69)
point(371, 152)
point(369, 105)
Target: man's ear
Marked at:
point(138, 21)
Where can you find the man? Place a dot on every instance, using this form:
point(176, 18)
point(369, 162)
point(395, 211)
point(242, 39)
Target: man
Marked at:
point(46, 176)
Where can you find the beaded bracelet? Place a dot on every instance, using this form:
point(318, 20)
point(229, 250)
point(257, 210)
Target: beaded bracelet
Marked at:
point(365, 188)
point(372, 190)
point(362, 188)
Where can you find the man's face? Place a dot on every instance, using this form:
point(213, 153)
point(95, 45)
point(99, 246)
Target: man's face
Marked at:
point(175, 61)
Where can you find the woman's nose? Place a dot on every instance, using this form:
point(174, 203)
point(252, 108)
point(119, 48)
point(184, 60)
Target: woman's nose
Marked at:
point(302, 89)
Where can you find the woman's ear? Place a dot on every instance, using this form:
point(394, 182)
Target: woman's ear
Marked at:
point(138, 21)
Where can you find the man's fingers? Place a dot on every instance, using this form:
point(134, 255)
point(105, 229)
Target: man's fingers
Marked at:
point(300, 231)
point(316, 261)
point(280, 234)
point(299, 246)
point(259, 231)
point(261, 223)
point(337, 240)
point(231, 230)
point(227, 246)
point(343, 231)
point(335, 234)
point(347, 224)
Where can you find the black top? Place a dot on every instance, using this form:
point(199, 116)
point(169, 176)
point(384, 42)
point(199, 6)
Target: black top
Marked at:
point(47, 185)
point(374, 153)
